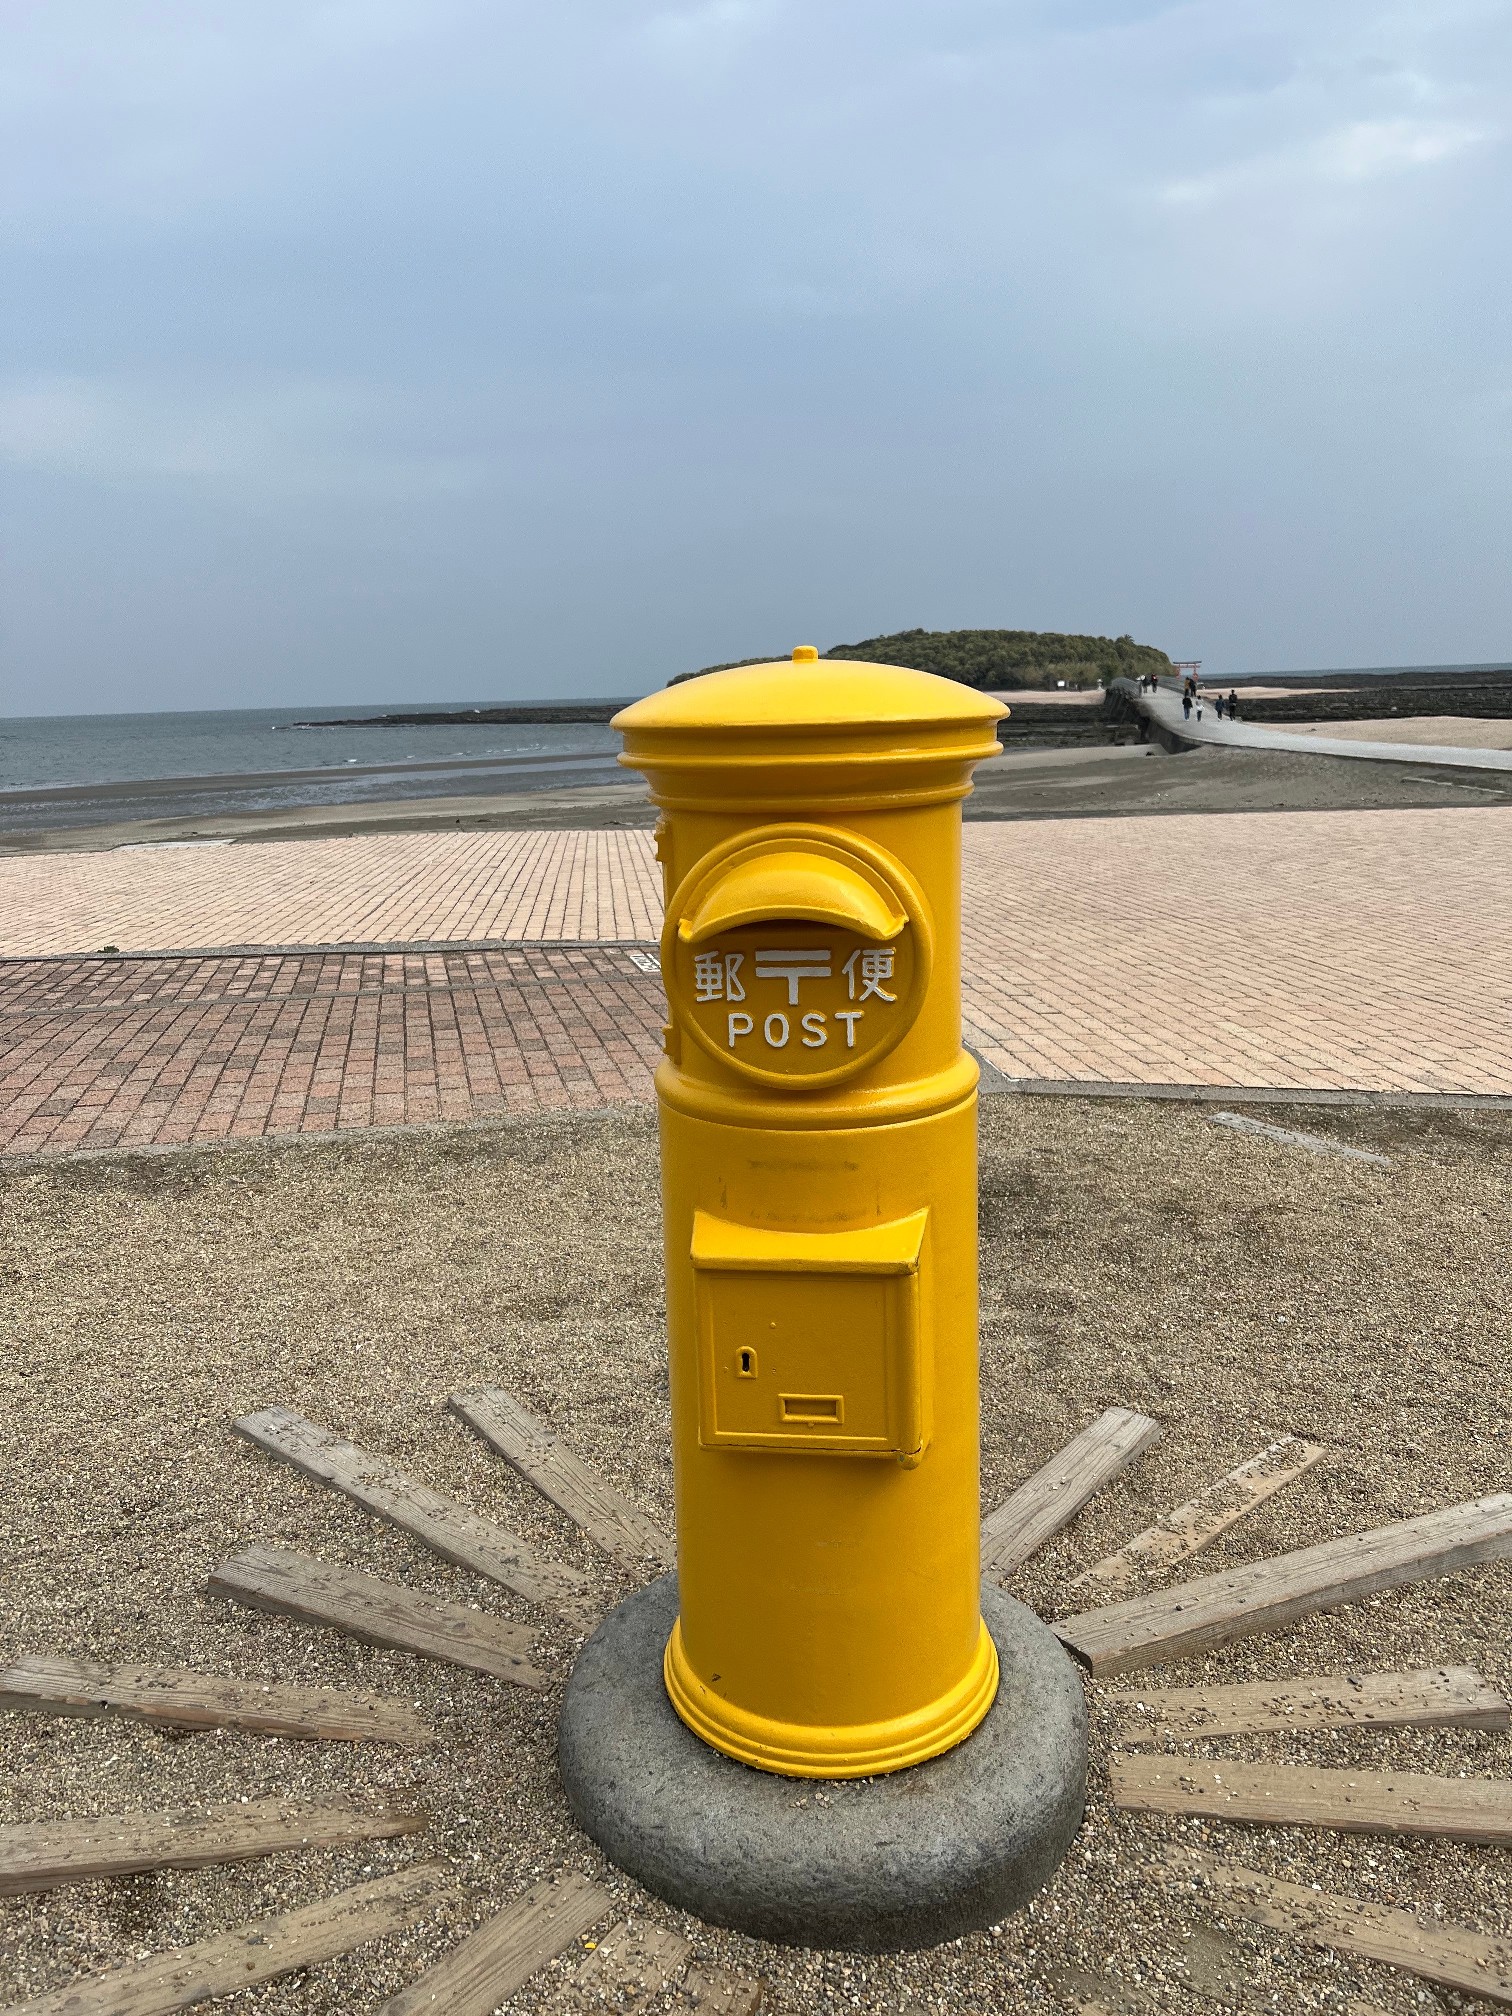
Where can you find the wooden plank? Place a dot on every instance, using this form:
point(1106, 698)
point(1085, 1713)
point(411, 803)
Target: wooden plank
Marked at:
point(447, 1528)
point(717, 1992)
point(1444, 1697)
point(625, 1533)
point(1096, 1995)
point(261, 1951)
point(1196, 1524)
point(500, 1957)
point(1209, 1962)
point(1315, 1144)
point(1452, 1956)
point(42, 1854)
point(377, 1612)
point(1193, 1616)
point(626, 1971)
point(54, 1685)
point(1053, 1496)
point(1299, 1795)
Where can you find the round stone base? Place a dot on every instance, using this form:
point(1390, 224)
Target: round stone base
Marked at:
point(870, 1865)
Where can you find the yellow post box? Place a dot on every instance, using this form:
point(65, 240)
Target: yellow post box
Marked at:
point(818, 1122)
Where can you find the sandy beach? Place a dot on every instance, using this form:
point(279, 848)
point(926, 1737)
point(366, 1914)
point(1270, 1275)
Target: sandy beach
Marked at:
point(1133, 1255)
point(1444, 731)
point(1111, 780)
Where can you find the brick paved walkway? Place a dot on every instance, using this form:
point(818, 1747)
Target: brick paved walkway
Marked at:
point(1315, 951)
point(383, 888)
point(103, 1053)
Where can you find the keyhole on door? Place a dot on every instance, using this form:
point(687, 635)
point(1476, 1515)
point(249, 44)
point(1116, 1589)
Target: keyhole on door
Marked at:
point(745, 1365)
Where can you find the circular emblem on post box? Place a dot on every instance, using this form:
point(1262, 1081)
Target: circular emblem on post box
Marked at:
point(797, 957)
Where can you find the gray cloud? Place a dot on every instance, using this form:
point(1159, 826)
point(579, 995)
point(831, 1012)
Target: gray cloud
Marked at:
point(398, 351)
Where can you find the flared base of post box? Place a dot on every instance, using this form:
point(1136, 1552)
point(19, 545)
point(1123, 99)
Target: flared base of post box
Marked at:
point(798, 1752)
point(871, 1865)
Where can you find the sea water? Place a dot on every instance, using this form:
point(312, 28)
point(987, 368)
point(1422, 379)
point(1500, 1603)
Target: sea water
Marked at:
point(140, 766)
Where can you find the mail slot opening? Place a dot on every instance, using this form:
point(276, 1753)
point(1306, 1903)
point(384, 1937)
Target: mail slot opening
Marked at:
point(813, 1407)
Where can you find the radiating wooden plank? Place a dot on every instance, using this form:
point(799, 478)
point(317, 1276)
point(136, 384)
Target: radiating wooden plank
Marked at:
point(500, 1957)
point(614, 1523)
point(1315, 1144)
point(1301, 1795)
point(1095, 1995)
point(1196, 1524)
point(1193, 1616)
point(42, 1854)
point(377, 1612)
point(257, 1952)
point(1208, 1962)
point(626, 1972)
point(55, 1685)
point(1450, 1955)
point(1443, 1697)
point(1053, 1496)
point(717, 1992)
point(447, 1528)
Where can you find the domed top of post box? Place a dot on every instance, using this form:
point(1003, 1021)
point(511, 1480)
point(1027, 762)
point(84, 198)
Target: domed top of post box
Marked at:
point(795, 730)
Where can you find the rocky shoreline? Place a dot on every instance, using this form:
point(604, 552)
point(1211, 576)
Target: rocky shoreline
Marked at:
point(526, 714)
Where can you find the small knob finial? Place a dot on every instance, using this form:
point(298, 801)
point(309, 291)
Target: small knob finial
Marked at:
point(804, 654)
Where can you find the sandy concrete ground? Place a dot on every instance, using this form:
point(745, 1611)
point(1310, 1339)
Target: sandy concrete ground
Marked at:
point(584, 805)
point(1216, 686)
point(1443, 731)
point(1133, 1254)
point(1048, 696)
point(1149, 782)
point(1091, 696)
point(1128, 780)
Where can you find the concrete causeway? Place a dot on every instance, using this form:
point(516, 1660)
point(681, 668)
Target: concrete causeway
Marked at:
point(1163, 708)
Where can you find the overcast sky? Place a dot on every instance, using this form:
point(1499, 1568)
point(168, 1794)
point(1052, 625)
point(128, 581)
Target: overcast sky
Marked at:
point(416, 349)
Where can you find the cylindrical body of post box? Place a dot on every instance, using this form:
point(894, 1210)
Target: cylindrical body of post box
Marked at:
point(818, 1120)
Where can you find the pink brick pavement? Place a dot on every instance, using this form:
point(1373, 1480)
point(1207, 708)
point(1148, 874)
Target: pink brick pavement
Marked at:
point(383, 888)
point(1314, 951)
point(106, 1053)
point(1317, 950)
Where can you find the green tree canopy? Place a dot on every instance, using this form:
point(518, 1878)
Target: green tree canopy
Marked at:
point(988, 659)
